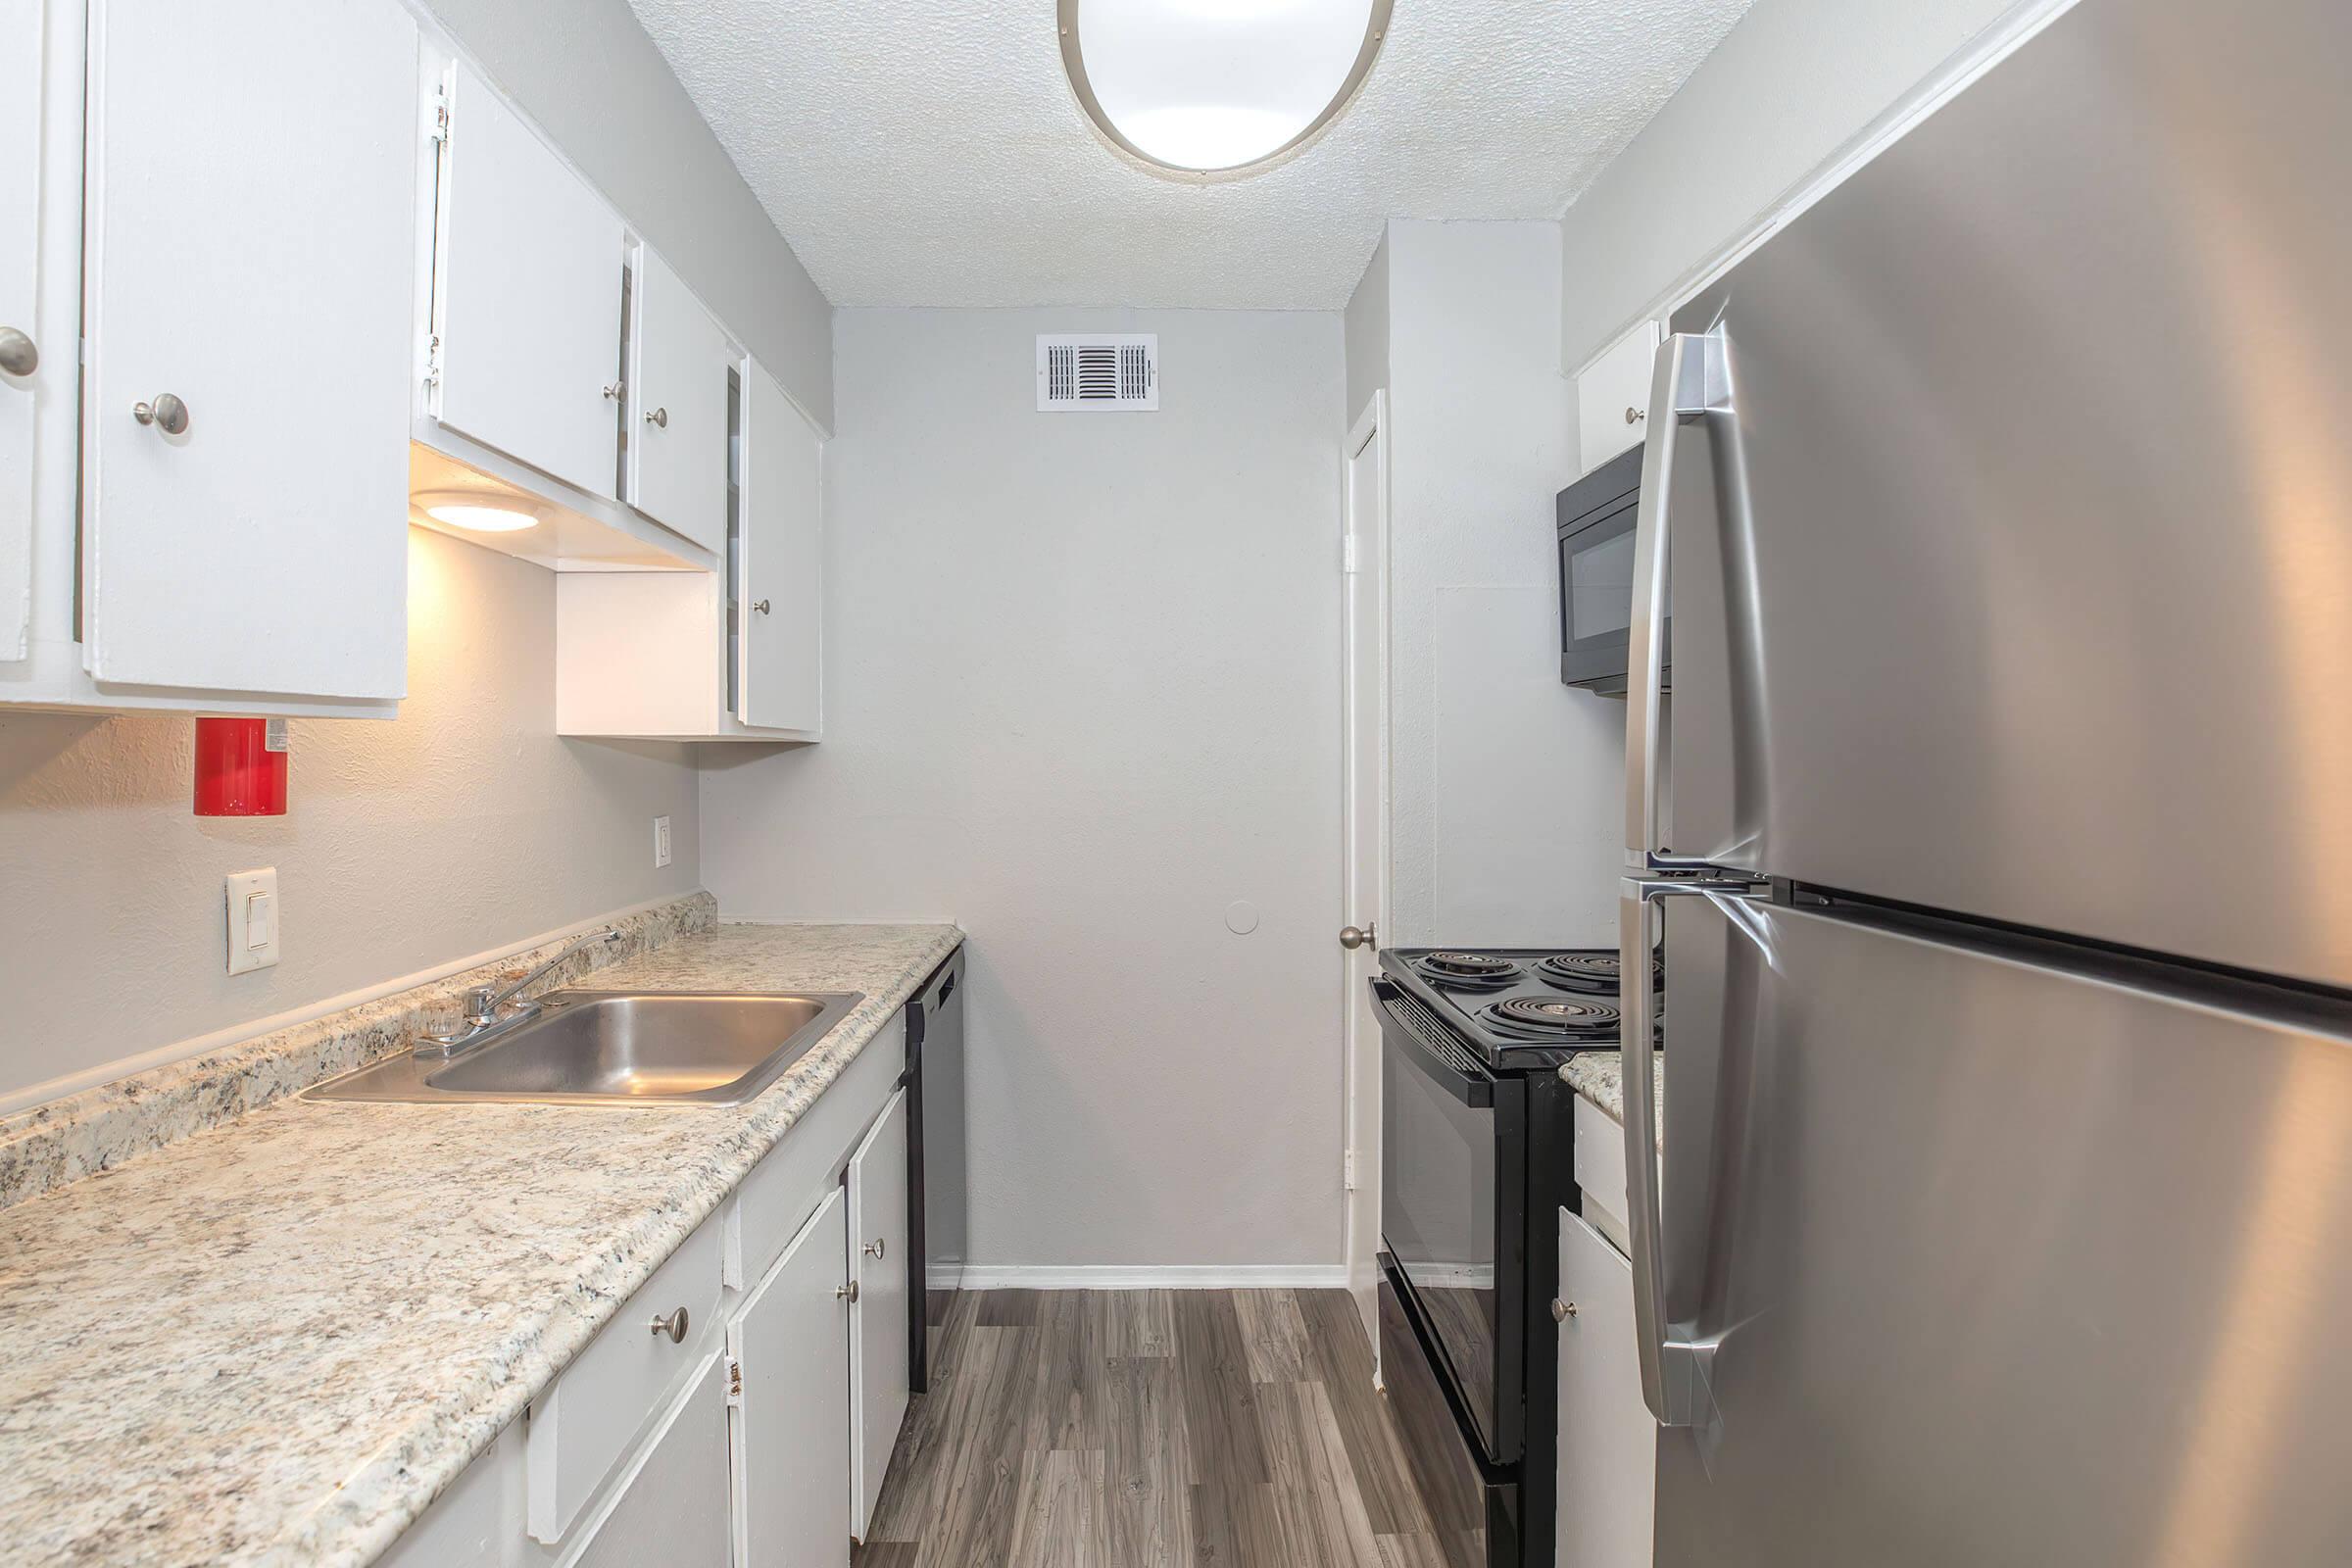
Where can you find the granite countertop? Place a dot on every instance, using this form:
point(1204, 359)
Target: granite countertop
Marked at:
point(277, 1340)
point(1600, 1076)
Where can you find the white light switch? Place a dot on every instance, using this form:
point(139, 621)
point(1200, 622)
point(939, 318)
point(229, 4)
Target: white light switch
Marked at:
point(660, 842)
point(252, 903)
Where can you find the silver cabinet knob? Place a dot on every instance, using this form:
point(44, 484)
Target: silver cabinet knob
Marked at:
point(1352, 938)
point(167, 414)
point(673, 1325)
point(18, 354)
point(846, 1292)
point(613, 389)
point(1562, 1311)
point(1634, 415)
point(762, 607)
point(660, 417)
point(873, 1248)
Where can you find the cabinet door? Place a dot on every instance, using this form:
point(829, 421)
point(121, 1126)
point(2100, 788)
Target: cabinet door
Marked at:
point(880, 1379)
point(780, 590)
point(527, 296)
point(20, 100)
point(792, 1427)
point(673, 1507)
point(677, 439)
point(1608, 1444)
point(250, 253)
point(1612, 398)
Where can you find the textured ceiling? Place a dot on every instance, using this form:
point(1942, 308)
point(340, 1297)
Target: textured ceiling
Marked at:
point(930, 152)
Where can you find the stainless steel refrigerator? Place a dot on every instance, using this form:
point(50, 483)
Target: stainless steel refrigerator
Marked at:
point(1999, 829)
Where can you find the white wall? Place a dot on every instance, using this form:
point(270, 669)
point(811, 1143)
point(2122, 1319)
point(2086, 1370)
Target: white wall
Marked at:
point(587, 73)
point(1507, 785)
point(1082, 693)
point(1367, 332)
point(1787, 88)
point(462, 826)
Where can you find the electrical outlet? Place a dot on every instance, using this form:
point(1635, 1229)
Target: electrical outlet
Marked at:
point(251, 900)
point(660, 842)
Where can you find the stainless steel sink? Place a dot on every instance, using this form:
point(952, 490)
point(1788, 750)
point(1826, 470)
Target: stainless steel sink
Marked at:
point(618, 1048)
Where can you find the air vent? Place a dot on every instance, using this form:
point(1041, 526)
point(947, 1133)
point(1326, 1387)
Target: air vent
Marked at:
point(1097, 372)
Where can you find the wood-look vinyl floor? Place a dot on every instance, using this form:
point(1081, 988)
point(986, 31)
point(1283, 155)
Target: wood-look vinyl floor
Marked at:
point(1152, 1428)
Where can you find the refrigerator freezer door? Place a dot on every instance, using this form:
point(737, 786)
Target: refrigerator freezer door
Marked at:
point(2012, 560)
point(1998, 1262)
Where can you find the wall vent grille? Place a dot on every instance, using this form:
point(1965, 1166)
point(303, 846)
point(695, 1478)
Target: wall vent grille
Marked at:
point(1077, 374)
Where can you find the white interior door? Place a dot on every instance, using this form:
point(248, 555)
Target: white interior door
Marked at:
point(1366, 813)
point(251, 253)
point(781, 587)
point(881, 1380)
point(527, 297)
point(20, 380)
point(793, 1426)
point(677, 406)
point(672, 1509)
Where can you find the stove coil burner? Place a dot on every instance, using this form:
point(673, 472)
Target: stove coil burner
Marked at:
point(1592, 973)
point(1467, 971)
point(1551, 1019)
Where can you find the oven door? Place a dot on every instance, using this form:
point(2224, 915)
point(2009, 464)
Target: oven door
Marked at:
point(1448, 1129)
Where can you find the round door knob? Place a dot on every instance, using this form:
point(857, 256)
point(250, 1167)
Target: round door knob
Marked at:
point(762, 607)
point(613, 389)
point(873, 1248)
point(1562, 1311)
point(846, 1292)
point(660, 417)
point(1634, 415)
point(673, 1325)
point(167, 414)
point(1352, 938)
point(18, 354)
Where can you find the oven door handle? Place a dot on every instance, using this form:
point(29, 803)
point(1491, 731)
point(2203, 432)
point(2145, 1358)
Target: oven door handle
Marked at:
point(1463, 1081)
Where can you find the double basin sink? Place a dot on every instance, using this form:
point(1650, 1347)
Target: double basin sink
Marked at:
point(615, 1048)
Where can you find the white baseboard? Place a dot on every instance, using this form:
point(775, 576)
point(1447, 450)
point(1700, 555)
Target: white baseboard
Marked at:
point(1151, 1277)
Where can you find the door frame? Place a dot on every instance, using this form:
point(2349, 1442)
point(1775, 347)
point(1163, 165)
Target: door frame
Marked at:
point(1364, 568)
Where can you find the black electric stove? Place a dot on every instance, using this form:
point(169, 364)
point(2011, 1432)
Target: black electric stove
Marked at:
point(1520, 1010)
point(1476, 1164)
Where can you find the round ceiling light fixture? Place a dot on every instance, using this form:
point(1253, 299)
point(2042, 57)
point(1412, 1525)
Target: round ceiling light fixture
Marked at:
point(1213, 88)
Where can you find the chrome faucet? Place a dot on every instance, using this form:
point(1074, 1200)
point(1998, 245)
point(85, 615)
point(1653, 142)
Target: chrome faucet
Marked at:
point(482, 1020)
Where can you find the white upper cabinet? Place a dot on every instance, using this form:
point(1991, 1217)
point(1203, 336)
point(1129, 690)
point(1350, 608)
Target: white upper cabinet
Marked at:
point(527, 296)
point(1612, 397)
point(677, 440)
point(20, 294)
point(781, 564)
point(249, 259)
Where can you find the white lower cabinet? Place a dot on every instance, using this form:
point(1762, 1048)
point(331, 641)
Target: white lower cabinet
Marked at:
point(1608, 1444)
point(673, 1507)
point(789, 1349)
point(880, 1346)
point(740, 1407)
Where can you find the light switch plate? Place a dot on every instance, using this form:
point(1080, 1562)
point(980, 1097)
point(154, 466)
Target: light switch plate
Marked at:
point(252, 918)
point(660, 842)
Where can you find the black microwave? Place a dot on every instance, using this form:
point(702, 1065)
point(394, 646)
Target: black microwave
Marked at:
point(1595, 524)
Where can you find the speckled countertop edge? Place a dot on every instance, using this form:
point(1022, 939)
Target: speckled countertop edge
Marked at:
point(1600, 1076)
point(276, 1341)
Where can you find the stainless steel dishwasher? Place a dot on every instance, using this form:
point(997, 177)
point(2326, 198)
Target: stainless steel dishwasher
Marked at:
point(940, 1216)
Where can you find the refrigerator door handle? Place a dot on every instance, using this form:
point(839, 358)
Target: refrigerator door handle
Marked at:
point(1690, 378)
point(1672, 1374)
